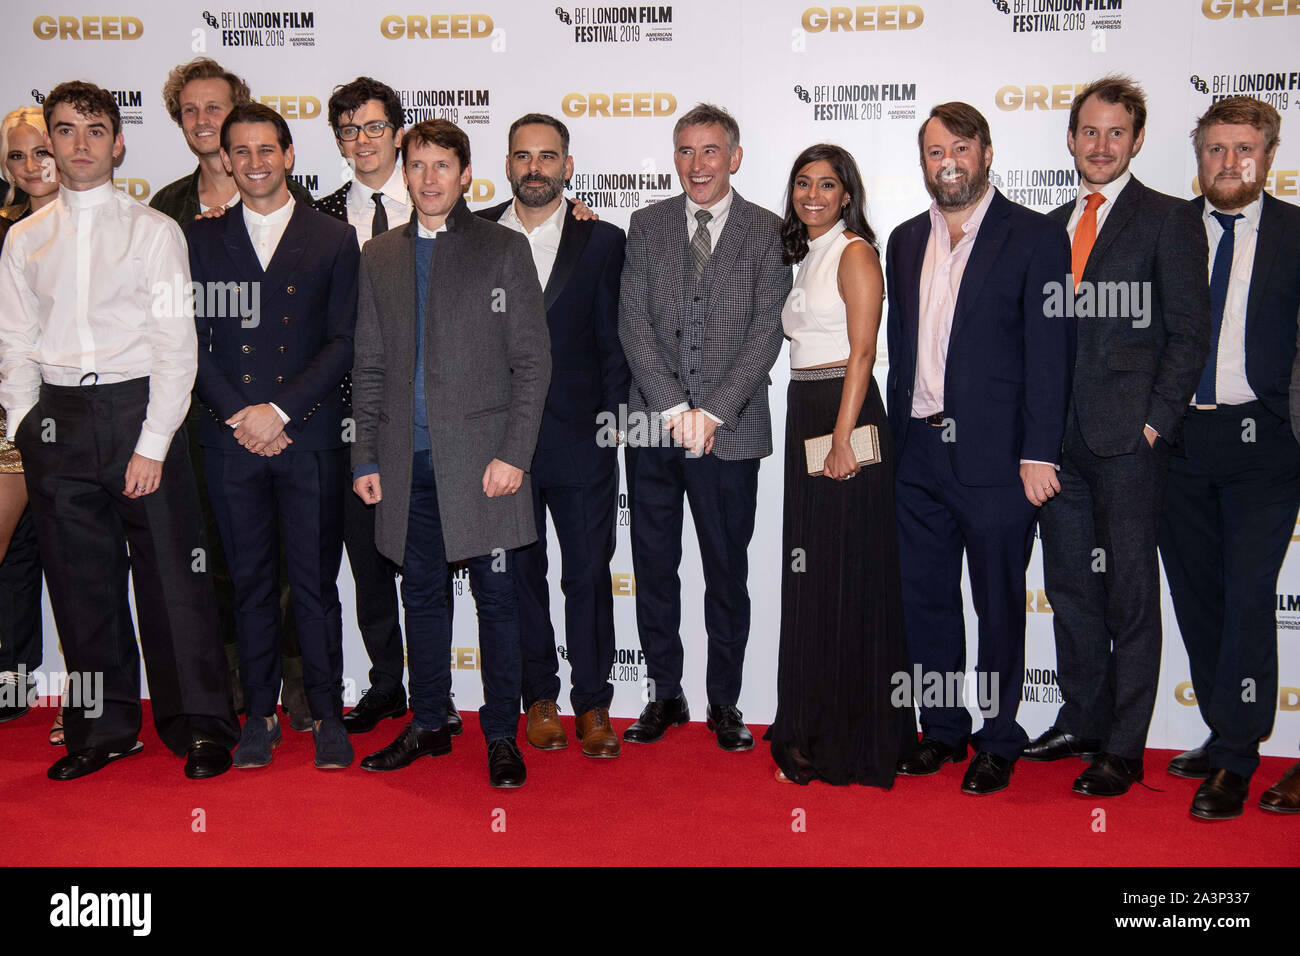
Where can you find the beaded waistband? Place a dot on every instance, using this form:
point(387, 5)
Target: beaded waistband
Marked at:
point(817, 374)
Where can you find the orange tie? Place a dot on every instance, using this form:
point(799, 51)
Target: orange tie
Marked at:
point(1085, 234)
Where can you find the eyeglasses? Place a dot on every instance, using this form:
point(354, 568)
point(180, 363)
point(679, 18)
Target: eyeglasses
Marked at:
point(373, 130)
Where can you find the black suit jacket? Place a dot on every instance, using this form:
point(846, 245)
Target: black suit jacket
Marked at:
point(1007, 374)
point(1272, 303)
point(589, 374)
point(1133, 373)
point(298, 347)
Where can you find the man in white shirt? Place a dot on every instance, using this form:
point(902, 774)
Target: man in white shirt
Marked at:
point(97, 357)
point(1230, 508)
point(574, 471)
point(277, 287)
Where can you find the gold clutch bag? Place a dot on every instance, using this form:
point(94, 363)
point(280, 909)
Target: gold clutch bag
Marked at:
point(864, 440)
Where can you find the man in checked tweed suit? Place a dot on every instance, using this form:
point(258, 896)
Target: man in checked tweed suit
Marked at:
point(700, 321)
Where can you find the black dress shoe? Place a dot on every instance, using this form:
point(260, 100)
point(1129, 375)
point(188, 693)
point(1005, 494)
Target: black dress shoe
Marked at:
point(728, 723)
point(656, 718)
point(505, 764)
point(929, 756)
point(14, 695)
point(1221, 796)
point(1108, 776)
point(206, 758)
point(453, 724)
point(87, 761)
point(987, 773)
point(1055, 744)
point(410, 744)
point(1193, 764)
point(373, 707)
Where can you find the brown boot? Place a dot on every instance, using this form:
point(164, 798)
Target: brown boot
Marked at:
point(597, 736)
point(1283, 796)
point(545, 732)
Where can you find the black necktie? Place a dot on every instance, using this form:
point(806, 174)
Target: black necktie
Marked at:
point(379, 225)
point(1220, 273)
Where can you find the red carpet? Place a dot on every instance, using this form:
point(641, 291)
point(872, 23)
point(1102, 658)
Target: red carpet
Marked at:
point(679, 802)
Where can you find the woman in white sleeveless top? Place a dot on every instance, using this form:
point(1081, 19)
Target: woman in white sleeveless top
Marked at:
point(842, 637)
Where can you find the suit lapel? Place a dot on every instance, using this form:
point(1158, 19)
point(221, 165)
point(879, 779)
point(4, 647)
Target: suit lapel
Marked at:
point(912, 264)
point(723, 260)
point(989, 240)
point(288, 253)
point(1267, 247)
point(573, 240)
point(1126, 206)
point(238, 244)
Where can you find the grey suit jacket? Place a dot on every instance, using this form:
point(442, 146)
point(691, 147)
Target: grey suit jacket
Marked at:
point(1134, 373)
point(728, 375)
point(486, 371)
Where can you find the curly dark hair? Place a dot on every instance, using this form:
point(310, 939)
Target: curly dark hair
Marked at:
point(86, 99)
point(350, 97)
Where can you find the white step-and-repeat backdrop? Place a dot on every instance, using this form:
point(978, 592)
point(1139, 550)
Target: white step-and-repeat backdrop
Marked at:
point(793, 74)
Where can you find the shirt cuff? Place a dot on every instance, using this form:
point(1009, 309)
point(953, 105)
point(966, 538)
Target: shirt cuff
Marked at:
point(152, 445)
point(673, 412)
point(279, 411)
point(1031, 461)
point(362, 470)
point(716, 419)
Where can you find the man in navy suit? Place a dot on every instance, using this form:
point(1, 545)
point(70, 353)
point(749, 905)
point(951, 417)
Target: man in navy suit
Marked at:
point(575, 469)
point(979, 374)
point(1138, 261)
point(270, 375)
point(1230, 507)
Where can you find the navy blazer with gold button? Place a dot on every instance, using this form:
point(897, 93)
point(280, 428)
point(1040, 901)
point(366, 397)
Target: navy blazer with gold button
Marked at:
point(297, 348)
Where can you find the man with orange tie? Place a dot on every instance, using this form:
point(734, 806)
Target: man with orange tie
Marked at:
point(1143, 308)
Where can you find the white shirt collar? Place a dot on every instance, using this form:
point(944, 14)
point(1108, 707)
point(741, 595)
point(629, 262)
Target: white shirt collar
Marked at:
point(1252, 211)
point(424, 232)
point(395, 189)
point(86, 198)
point(719, 209)
point(276, 218)
point(1111, 190)
point(554, 222)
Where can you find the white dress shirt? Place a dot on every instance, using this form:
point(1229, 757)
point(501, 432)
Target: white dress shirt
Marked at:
point(95, 283)
point(265, 232)
point(1111, 191)
point(1231, 387)
point(361, 204)
point(544, 240)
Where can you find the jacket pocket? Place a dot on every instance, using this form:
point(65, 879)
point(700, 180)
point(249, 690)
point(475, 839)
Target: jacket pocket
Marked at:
point(484, 412)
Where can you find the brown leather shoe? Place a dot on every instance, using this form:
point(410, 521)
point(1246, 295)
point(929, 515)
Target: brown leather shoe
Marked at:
point(597, 736)
point(545, 732)
point(1283, 796)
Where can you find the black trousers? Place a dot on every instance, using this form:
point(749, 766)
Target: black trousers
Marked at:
point(20, 599)
point(76, 445)
point(582, 496)
point(297, 494)
point(374, 580)
point(723, 496)
point(1230, 511)
point(1101, 576)
point(939, 518)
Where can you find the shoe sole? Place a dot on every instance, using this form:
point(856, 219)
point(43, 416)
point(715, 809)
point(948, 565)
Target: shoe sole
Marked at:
point(1209, 817)
point(506, 786)
point(984, 793)
point(1186, 775)
point(332, 766)
point(1281, 810)
point(1100, 796)
point(560, 746)
point(253, 766)
point(112, 758)
point(431, 753)
point(930, 773)
point(1085, 755)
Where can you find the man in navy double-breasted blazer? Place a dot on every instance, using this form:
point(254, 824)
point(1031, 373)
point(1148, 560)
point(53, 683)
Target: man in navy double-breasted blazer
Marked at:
point(278, 288)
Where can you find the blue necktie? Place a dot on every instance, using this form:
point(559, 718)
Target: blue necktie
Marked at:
point(1219, 276)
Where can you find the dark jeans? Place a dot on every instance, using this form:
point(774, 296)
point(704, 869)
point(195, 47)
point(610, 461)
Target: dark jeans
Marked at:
point(428, 621)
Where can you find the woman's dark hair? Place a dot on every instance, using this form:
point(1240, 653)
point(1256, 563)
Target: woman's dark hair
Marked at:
point(794, 234)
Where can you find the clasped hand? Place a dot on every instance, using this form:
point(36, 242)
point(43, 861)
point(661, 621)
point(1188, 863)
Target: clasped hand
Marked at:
point(260, 430)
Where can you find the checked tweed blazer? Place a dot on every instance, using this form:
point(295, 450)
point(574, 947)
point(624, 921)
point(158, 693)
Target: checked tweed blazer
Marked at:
point(746, 284)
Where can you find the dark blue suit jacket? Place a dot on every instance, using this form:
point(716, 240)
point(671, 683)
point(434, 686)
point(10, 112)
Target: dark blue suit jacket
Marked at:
point(1273, 303)
point(589, 373)
point(297, 350)
point(1007, 376)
